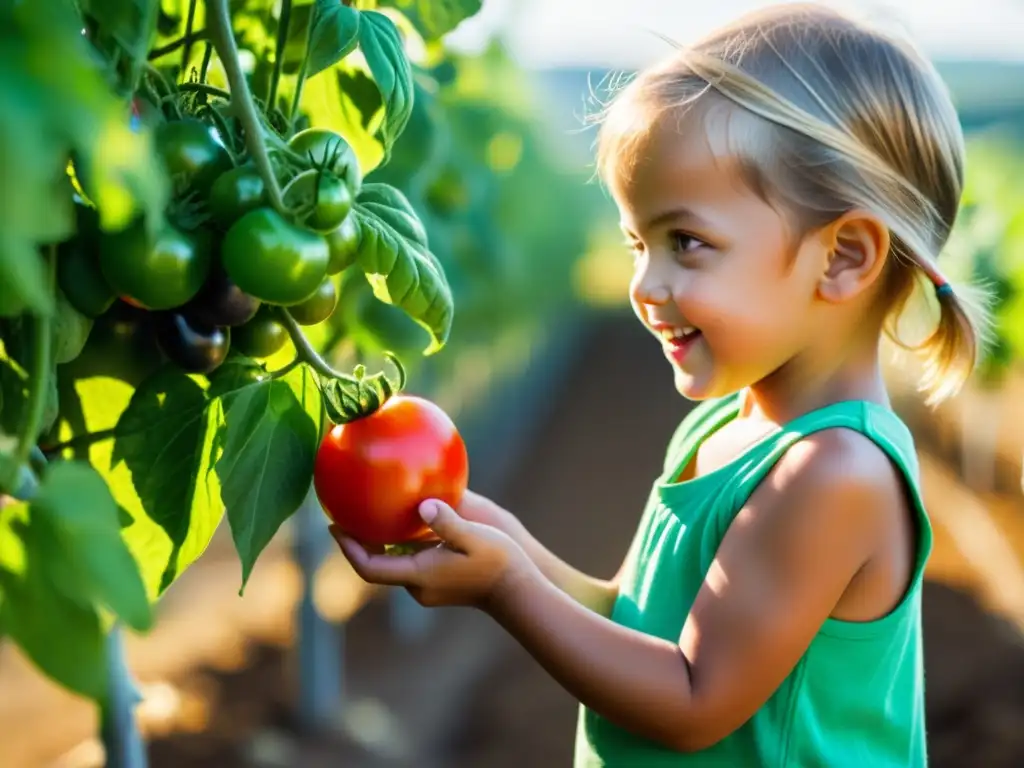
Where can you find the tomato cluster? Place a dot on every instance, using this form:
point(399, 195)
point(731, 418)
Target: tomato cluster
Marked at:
point(207, 276)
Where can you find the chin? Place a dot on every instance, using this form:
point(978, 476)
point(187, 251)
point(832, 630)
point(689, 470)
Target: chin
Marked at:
point(694, 388)
point(699, 388)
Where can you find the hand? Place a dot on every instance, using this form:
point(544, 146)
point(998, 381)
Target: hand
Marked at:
point(471, 566)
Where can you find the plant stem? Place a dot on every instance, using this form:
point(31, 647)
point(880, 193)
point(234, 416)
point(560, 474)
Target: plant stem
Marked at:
point(204, 68)
point(171, 47)
point(81, 441)
point(219, 24)
point(305, 350)
point(209, 90)
point(282, 41)
point(287, 369)
point(293, 114)
point(186, 53)
point(42, 369)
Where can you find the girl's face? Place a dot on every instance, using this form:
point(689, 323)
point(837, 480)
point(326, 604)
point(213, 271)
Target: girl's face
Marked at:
point(719, 276)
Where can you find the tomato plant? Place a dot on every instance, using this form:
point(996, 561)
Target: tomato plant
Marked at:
point(204, 201)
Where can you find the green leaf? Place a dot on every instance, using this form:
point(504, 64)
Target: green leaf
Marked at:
point(335, 35)
point(435, 18)
point(165, 437)
point(60, 558)
point(62, 637)
point(22, 278)
point(131, 22)
point(394, 255)
point(382, 47)
point(75, 505)
point(267, 464)
point(346, 100)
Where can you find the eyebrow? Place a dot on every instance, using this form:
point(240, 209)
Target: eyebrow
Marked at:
point(672, 214)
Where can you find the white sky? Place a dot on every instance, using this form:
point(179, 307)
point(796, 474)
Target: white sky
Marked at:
point(616, 33)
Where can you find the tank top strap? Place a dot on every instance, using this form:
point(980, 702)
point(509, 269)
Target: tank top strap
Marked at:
point(878, 423)
point(701, 421)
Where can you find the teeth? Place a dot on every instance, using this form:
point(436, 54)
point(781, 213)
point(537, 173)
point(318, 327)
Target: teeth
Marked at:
point(670, 334)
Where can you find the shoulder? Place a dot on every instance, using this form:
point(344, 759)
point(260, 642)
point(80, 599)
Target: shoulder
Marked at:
point(833, 485)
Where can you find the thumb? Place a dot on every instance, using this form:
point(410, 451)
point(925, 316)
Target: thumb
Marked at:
point(446, 523)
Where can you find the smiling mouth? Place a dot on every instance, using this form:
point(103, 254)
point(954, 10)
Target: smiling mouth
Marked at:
point(678, 337)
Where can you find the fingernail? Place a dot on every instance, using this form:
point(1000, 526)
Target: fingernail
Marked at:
point(428, 511)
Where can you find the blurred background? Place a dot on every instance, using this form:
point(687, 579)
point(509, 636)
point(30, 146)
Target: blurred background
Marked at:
point(566, 406)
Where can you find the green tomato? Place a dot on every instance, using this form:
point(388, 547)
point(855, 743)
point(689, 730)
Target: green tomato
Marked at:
point(343, 243)
point(120, 346)
point(322, 199)
point(159, 273)
point(78, 268)
point(262, 336)
point(235, 193)
point(273, 260)
point(317, 307)
point(70, 330)
point(321, 145)
point(191, 153)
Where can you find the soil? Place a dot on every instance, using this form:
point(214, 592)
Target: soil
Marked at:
point(580, 489)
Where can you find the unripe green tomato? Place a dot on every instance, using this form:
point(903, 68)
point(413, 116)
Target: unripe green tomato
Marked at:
point(274, 260)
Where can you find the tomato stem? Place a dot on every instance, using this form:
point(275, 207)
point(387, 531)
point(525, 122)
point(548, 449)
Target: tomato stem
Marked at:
point(223, 39)
point(282, 40)
point(306, 351)
point(42, 369)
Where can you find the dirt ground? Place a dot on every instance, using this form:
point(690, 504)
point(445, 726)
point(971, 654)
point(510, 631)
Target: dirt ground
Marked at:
point(580, 489)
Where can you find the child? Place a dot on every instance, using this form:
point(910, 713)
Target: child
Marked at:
point(786, 186)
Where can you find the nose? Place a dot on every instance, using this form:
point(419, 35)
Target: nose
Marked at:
point(648, 287)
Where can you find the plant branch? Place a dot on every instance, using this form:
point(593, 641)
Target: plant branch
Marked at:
point(171, 47)
point(209, 90)
point(187, 52)
point(282, 42)
point(42, 369)
point(306, 351)
point(83, 440)
point(293, 114)
point(223, 39)
point(285, 370)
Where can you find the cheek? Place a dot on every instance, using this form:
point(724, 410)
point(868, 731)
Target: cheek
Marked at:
point(742, 317)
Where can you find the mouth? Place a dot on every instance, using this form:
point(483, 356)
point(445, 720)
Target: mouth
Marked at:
point(675, 335)
point(677, 339)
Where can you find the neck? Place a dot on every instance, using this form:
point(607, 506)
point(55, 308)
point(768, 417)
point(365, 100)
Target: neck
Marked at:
point(851, 371)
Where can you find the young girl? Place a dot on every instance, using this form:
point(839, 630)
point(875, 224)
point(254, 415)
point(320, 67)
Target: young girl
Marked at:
point(786, 186)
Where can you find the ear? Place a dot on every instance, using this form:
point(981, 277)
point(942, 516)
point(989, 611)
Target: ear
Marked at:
point(857, 244)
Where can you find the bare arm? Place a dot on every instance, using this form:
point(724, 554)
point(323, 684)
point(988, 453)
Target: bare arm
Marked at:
point(780, 571)
point(593, 593)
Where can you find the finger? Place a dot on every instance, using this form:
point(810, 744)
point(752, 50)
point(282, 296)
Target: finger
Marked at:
point(388, 570)
point(446, 523)
point(339, 534)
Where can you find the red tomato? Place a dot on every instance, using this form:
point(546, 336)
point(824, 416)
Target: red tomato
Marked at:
point(372, 474)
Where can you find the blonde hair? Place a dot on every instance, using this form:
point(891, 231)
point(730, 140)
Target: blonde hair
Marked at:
point(838, 116)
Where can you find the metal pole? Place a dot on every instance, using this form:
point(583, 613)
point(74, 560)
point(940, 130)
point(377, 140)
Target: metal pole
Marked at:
point(320, 646)
point(118, 729)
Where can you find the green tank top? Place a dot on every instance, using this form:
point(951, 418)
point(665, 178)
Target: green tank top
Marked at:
point(856, 697)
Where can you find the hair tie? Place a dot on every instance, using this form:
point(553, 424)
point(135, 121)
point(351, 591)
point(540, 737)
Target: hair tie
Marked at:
point(943, 289)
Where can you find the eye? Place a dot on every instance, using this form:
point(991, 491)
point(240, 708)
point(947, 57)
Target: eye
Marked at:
point(636, 248)
point(681, 242)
